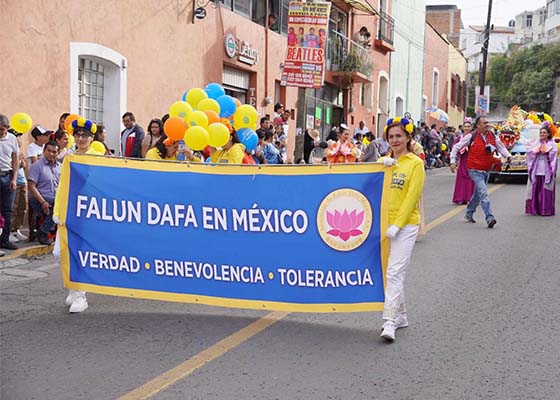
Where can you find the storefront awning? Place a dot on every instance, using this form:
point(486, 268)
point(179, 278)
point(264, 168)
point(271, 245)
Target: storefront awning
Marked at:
point(363, 5)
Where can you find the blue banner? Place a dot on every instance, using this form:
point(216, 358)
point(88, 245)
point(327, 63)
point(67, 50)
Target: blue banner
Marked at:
point(294, 238)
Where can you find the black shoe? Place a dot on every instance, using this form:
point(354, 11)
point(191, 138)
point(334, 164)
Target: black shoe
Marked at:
point(491, 223)
point(44, 239)
point(469, 218)
point(8, 245)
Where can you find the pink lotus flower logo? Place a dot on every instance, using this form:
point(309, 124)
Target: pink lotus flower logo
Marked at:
point(345, 225)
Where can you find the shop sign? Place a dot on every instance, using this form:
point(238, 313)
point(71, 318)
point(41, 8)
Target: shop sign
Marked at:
point(252, 97)
point(241, 49)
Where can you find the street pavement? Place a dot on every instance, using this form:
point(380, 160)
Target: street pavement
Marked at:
point(483, 310)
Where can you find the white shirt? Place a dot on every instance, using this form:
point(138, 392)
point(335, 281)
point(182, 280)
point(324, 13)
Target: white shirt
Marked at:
point(34, 150)
point(8, 146)
point(363, 131)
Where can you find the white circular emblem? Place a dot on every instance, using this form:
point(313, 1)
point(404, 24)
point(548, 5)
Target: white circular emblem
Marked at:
point(344, 219)
point(230, 45)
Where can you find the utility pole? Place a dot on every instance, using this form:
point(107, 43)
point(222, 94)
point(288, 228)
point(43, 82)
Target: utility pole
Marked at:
point(485, 49)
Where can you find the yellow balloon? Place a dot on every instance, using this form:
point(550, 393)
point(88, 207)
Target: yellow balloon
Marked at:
point(21, 122)
point(245, 117)
point(71, 142)
point(548, 118)
point(209, 105)
point(98, 146)
point(195, 95)
point(196, 137)
point(218, 134)
point(197, 118)
point(443, 147)
point(180, 109)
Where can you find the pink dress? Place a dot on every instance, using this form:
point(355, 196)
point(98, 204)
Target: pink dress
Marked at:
point(464, 186)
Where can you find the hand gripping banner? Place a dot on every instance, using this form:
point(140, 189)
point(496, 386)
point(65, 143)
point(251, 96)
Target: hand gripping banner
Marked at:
point(293, 238)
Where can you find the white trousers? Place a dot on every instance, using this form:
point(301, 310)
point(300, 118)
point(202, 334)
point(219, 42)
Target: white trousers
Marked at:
point(399, 258)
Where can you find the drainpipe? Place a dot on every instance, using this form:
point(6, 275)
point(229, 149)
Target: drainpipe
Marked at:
point(266, 51)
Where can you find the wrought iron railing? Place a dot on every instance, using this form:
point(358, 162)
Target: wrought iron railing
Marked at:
point(386, 27)
point(346, 55)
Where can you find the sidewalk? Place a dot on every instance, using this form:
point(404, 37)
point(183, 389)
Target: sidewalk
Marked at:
point(26, 249)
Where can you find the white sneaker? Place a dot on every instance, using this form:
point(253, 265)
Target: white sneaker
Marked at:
point(79, 304)
point(401, 322)
point(2, 253)
point(20, 235)
point(72, 295)
point(13, 238)
point(388, 332)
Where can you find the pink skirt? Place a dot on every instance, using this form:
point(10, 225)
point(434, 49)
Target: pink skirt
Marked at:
point(464, 186)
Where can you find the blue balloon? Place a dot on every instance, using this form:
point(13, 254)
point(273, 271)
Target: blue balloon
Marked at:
point(214, 90)
point(227, 106)
point(248, 138)
point(184, 98)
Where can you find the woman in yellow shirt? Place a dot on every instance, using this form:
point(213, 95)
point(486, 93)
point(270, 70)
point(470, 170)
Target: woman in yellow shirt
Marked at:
point(84, 129)
point(232, 153)
point(164, 149)
point(404, 218)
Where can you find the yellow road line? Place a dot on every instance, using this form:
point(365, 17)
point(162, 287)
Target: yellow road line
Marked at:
point(442, 218)
point(186, 368)
point(209, 354)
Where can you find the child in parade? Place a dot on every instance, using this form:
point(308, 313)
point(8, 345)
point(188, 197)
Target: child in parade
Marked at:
point(542, 164)
point(464, 186)
point(404, 219)
point(84, 129)
point(343, 150)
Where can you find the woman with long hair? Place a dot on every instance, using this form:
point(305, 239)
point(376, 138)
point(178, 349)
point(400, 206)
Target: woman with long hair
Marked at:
point(542, 163)
point(464, 186)
point(154, 133)
point(404, 219)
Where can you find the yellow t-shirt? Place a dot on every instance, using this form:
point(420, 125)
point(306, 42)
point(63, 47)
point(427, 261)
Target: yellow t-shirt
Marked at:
point(153, 154)
point(94, 152)
point(407, 184)
point(233, 155)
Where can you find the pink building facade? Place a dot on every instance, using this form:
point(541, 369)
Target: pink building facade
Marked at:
point(101, 59)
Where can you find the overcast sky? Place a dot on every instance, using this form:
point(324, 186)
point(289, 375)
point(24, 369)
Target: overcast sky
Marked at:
point(473, 12)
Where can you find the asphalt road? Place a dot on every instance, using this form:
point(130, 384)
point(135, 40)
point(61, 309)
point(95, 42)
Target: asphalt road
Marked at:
point(484, 313)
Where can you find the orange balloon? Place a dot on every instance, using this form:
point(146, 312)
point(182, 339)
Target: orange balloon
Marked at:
point(68, 123)
point(212, 116)
point(237, 102)
point(175, 128)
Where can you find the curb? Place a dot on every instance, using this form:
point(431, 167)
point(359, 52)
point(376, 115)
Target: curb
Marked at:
point(28, 252)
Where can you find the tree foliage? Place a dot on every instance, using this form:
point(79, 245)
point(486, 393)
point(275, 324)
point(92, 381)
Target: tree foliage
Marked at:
point(526, 77)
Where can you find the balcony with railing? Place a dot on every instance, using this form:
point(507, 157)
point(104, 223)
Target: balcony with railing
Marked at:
point(384, 40)
point(347, 60)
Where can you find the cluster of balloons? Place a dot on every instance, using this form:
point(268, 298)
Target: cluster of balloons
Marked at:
point(198, 119)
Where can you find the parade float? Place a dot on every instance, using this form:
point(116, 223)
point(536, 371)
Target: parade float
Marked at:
point(520, 129)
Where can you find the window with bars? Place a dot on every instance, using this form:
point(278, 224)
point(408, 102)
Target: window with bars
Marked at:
point(90, 90)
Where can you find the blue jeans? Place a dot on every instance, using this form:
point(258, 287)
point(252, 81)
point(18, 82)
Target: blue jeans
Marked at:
point(6, 203)
point(48, 223)
point(480, 194)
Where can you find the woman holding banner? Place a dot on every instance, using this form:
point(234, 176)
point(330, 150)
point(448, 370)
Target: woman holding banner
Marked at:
point(84, 129)
point(404, 219)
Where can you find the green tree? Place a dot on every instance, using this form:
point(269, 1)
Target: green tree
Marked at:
point(525, 77)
